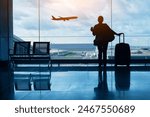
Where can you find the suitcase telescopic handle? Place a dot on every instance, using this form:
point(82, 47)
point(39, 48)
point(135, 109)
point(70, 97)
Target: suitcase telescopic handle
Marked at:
point(123, 38)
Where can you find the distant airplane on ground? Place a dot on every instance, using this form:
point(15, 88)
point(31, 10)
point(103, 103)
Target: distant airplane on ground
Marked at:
point(64, 18)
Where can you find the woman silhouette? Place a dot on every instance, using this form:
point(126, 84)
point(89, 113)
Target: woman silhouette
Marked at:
point(103, 35)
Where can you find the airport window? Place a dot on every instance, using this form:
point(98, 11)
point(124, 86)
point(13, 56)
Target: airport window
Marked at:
point(33, 21)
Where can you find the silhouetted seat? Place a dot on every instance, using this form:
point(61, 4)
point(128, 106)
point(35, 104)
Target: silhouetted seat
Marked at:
point(21, 52)
point(22, 48)
point(23, 84)
point(42, 84)
point(41, 52)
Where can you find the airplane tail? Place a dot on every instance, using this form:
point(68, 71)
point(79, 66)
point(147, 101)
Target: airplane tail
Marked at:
point(53, 18)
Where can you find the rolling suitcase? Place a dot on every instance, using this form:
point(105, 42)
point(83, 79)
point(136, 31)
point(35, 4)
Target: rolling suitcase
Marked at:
point(122, 53)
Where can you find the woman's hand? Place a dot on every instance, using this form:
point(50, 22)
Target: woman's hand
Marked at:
point(120, 34)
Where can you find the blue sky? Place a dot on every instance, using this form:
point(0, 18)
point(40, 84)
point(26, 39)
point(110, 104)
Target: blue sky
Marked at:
point(129, 16)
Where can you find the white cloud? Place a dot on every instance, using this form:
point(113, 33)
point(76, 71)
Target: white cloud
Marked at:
point(131, 16)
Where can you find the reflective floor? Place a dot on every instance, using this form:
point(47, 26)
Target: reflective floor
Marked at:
point(76, 83)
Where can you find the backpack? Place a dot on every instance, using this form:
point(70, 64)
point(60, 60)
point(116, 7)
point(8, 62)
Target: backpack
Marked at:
point(103, 34)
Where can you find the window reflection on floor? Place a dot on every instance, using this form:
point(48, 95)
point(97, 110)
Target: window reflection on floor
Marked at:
point(68, 82)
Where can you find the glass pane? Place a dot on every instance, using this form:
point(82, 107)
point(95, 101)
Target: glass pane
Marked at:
point(132, 18)
point(74, 32)
point(25, 20)
point(69, 31)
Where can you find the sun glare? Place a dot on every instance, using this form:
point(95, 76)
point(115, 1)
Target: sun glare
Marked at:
point(78, 8)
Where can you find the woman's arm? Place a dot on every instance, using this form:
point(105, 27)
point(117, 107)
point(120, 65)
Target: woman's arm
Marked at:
point(117, 33)
point(92, 29)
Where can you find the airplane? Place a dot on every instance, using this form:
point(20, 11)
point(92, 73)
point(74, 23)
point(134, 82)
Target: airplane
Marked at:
point(64, 18)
